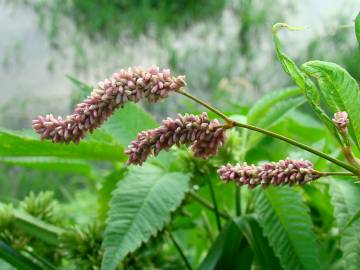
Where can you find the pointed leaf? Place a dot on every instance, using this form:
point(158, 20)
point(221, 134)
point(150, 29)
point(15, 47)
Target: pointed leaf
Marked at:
point(303, 81)
point(13, 145)
point(50, 163)
point(339, 89)
point(140, 207)
point(345, 198)
point(287, 225)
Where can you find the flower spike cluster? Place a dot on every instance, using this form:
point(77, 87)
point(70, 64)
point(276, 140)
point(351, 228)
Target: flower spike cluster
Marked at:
point(284, 172)
point(110, 94)
point(203, 135)
point(341, 121)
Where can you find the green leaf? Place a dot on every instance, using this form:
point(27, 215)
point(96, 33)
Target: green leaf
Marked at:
point(263, 253)
point(357, 27)
point(36, 228)
point(340, 91)
point(51, 164)
point(127, 122)
point(345, 197)
point(109, 185)
point(226, 251)
point(287, 225)
point(271, 110)
point(354, 218)
point(13, 145)
point(303, 81)
point(16, 259)
point(261, 108)
point(140, 207)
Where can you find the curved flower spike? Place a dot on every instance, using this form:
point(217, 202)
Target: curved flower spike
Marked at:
point(284, 172)
point(203, 135)
point(110, 94)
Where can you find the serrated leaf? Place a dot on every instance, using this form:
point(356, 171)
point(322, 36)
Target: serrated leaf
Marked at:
point(340, 91)
point(12, 145)
point(357, 28)
point(127, 122)
point(140, 207)
point(345, 197)
point(50, 163)
point(287, 225)
point(303, 81)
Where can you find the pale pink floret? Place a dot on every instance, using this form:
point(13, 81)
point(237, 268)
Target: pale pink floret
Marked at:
point(284, 172)
point(203, 135)
point(110, 94)
point(341, 121)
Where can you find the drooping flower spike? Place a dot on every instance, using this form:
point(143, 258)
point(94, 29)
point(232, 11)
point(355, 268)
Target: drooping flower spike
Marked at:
point(284, 172)
point(131, 85)
point(203, 135)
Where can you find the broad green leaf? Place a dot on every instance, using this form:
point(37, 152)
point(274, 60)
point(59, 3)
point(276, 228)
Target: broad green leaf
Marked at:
point(357, 27)
point(274, 115)
point(345, 197)
point(339, 89)
point(354, 218)
point(16, 259)
point(50, 163)
point(263, 253)
point(261, 108)
point(303, 81)
point(140, 207)
point(287, 225)
point(226, 251)
point(127, 122)
point(12, 145)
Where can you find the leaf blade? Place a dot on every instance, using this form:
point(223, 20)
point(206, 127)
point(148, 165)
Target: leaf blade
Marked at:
point(345, 199)
point(287, 226)
point(340, 91)
point(140, 207)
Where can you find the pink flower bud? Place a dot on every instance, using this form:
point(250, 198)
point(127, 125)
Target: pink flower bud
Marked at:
point(341, 121)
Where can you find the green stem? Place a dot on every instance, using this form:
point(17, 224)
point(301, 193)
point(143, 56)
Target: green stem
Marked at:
point(232, 123)
point(178, 248)
point(216, 209)
point(208, 205)
point(335, 173)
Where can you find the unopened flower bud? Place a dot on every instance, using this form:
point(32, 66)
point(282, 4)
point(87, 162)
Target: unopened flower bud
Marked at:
point(341, 121)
